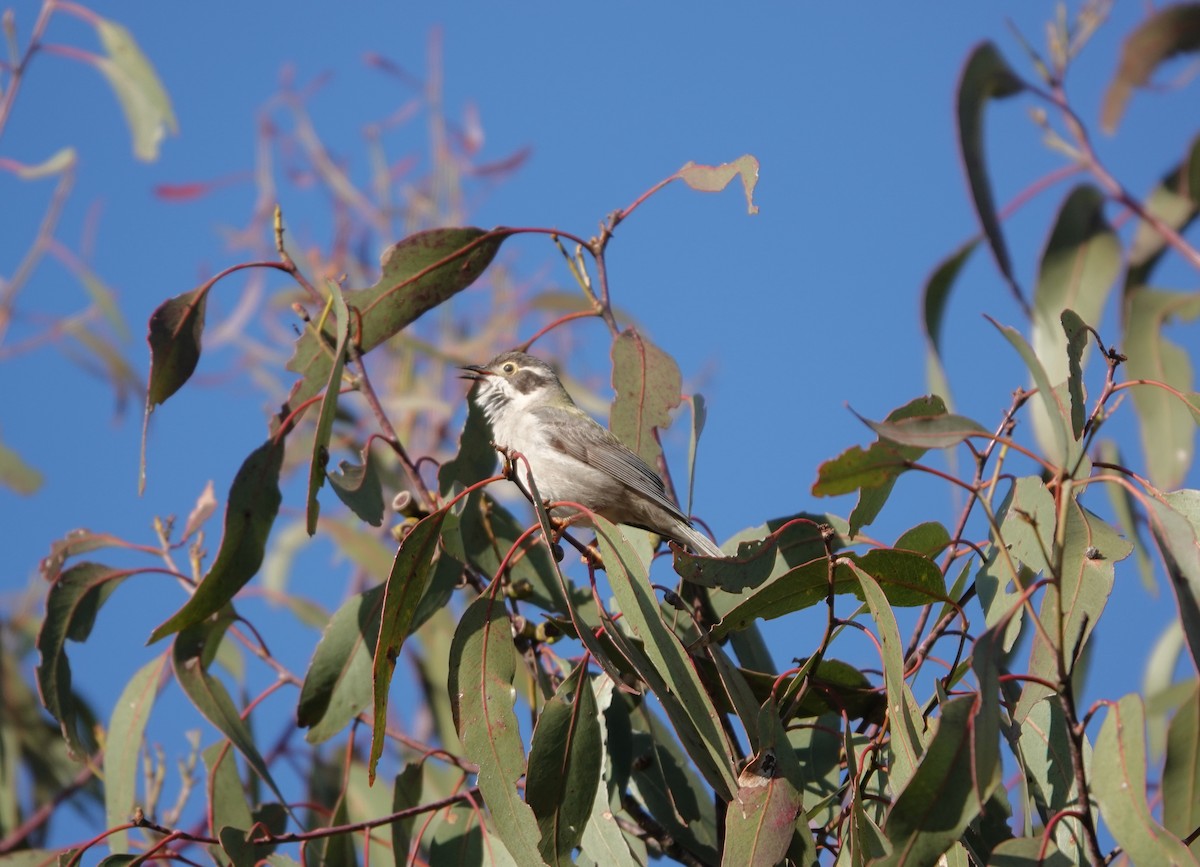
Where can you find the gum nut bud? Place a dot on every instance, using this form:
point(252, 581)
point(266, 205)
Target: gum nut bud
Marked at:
point(521, 589)
point(547, 632)
point(557, 550)
point(401, 501)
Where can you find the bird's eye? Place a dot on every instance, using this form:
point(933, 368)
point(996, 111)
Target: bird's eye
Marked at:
point(509, 368)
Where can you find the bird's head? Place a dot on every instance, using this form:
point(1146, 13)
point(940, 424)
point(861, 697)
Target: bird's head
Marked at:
point(515, 382)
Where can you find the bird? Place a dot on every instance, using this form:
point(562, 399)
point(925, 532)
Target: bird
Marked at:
point(571, 456)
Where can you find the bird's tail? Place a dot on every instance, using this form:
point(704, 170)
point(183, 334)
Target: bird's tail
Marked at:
point(692, 538)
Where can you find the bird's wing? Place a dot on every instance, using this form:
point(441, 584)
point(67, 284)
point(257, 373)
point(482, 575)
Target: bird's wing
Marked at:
point(585, 440)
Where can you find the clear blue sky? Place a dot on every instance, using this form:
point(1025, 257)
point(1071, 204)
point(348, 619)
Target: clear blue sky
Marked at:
point(781, 319)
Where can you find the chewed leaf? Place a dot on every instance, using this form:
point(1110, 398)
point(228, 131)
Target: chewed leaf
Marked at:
point(1077, 338)
point(132, 77)
point(360, 488)
point(647, 384)
point(1169, 31)
point(712, 179)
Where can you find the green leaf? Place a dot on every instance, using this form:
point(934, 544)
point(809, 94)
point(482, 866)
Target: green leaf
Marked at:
point(985, 76)
point(699, 415)
point(254, 500)
point(928, 432)
point(564, 766)
point(664, 781)
point(1175, 524)
point(647, 383)
point(1167, 423)
point(1119, 786)
point(482, 667)
point(907, 727)
point(328, 412)
point(936, 297)
point(1062, 449)
point(419, 273)
point(337, 685)
point(1029, 852)
point(1077, 341)
point(360, 488)
point(604, 840)
point(60, 161)
point(907, 579)
point(664, 664)
point(406, 585)
point(947, 791)
point(1168, 31)
point(72, 604)
point(1078, 269)
point(1181, 773)
point(132, 77)
point(175, 329)
point(225, 792)
point(407, 792)
point(123, 748)
point(1174, 202)
point(15, 474)
point(1086, 555)
point(713, 179)
point(191, 655)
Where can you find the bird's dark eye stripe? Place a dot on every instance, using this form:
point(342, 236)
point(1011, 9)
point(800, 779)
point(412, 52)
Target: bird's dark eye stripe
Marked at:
point(526, 381)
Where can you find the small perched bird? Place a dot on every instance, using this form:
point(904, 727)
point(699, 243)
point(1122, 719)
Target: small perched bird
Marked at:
point(571, 457)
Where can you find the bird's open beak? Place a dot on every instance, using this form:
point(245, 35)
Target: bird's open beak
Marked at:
point(475, 372)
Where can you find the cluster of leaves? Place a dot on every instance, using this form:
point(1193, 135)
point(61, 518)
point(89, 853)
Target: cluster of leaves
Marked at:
point(658, 722)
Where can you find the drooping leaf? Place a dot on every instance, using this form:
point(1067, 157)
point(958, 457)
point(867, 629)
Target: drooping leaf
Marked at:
point(482, 667)
point(1077, 340)
point(1167, 424)
point(947, 791)
point(1088, 551)
point(15, 474)
point(1061, 447)
point(406, 585)
point(647, 383)
point(909, 737)
point(1170, 30)
point(713, 179)
point(254, 500)
point(132, 77)
point(604, 840)
point(936, 297)
point(123, 748)
point(360, 488)
point(663, 662)
point(1118, 776)
point(407, 792)
point(564, 766)
point(72, 604)
point(985, 76)
point(419, 273)
point(176, 327)
point(1175, 203)
point(928, 432)
point(337, 685)
point(328, 411)
point(1078, 269)
point(191, 655)
point(1181, 772)
point(1175, 524)
point(699, 415)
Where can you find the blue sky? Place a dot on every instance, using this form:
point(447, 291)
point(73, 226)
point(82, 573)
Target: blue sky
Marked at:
point(782, 319)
